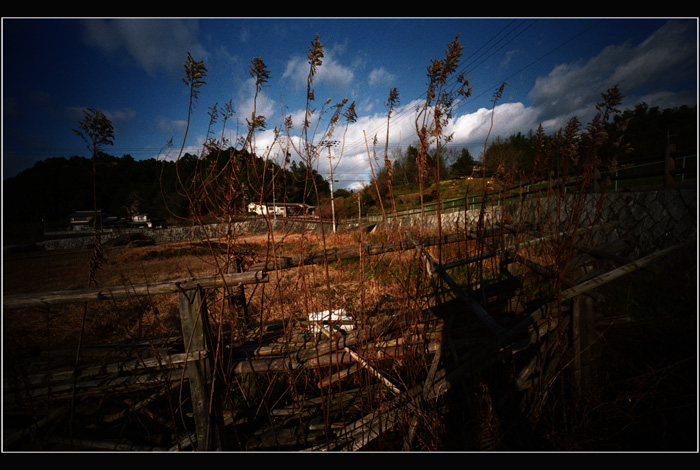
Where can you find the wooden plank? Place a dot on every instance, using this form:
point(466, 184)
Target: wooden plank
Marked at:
point(584, 337)
point(607, 251)
point(360, 432)
point(616, 273)
point(38, 299)
point(362, 362)
point(10, 437)
point(94, 386)
point(530, 322)
point(130, 367)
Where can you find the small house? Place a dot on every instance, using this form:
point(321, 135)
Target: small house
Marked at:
point(84, 220)
point(141, 220)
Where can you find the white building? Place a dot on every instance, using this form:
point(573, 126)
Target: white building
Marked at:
point(282, 209)
point(141, 220)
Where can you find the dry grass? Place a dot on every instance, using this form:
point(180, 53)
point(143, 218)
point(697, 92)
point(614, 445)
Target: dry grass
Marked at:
point(58, 327)
point(48, 338)
point(364, 287)
point(289, 295)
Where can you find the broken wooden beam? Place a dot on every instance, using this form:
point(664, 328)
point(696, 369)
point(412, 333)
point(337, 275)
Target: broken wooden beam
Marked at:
point(616, 273)
point(475, 307)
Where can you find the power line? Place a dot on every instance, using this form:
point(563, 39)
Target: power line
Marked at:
point(495, 85)
point(404, 113)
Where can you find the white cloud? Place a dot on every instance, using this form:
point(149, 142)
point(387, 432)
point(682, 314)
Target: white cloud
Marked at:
point(331, 73)
point(472, 130)
point(246, 99)
point(574, 89)
point(120, 115)
point(171, 154)
point(570, 89)
point(158, 44)
point(508, 56)
point(381, 77)
point(172, 126)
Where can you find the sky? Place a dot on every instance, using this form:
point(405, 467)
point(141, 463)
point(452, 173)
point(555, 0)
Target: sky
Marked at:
point(131, 69)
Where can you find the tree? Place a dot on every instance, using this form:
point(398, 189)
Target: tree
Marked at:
point(510, 158)
point(648, 130)
point(464, 165)
point(405, 167)
point(97, 131)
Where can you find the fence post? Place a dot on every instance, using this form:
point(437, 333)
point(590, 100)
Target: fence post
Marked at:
point(584, 337)
point(207, 417)
point(237, 294)
point(669, 166)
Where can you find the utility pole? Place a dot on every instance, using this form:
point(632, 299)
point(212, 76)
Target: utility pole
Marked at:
point(329, 144)
point(274, 202)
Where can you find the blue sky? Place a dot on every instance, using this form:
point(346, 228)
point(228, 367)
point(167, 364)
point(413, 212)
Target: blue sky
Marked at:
point(131, 70)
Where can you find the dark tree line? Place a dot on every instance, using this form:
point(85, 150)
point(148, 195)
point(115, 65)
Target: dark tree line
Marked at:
point(58, 186)
point(643, 131)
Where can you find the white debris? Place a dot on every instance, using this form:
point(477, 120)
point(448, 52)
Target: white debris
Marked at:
point(323, 319)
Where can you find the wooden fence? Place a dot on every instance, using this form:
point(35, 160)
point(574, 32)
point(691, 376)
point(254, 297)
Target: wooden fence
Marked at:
point(196, 359)
point(499, 337)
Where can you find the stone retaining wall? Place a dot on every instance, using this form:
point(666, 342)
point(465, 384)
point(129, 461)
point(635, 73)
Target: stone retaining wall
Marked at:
point(646, 220)
point(651, 220)
point(184, 234)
